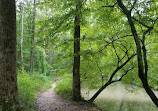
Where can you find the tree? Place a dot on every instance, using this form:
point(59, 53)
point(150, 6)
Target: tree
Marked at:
point(142, 43)
point(141, 58)
point(21, 39)
point(32, 39)
point(76, 65)
point(8, 75)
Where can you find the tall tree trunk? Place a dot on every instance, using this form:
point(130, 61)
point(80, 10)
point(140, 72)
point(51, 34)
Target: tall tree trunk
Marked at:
point(21, 39)
point(76, 66)
point(141, 69)
point(32, 39)
point(8, 74)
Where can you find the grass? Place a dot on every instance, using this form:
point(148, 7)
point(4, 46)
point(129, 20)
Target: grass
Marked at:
point(117, 105)
point(118, 97)
point(28, 86)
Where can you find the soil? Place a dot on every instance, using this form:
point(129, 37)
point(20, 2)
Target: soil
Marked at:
point(50, 101)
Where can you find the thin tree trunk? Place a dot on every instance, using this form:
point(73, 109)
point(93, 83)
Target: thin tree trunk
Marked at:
point(8, 74)
point(45, 38)
point(141, 69)
point(32, 39)
point(76, 66)
point(21, 40)
point(47, 56)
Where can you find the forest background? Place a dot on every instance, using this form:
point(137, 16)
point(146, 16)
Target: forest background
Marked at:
point(108, 52)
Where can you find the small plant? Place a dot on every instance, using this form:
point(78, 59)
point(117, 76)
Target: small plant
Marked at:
point(28, 86)
point(64, 86)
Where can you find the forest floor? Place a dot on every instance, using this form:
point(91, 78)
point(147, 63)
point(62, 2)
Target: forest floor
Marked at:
point(115, 95)
point(50, 101)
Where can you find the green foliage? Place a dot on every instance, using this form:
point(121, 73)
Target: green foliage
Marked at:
point(64, 86)
point(53, 50)
point(28, 86)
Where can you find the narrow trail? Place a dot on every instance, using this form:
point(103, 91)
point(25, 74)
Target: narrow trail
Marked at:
point(50, 101)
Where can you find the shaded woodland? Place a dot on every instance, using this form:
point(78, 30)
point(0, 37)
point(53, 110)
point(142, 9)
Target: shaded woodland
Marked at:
point(89, 44)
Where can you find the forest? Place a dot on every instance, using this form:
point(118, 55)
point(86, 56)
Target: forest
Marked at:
point(78, 55)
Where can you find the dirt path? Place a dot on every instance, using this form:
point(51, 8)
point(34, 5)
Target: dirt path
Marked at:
point(50, 101)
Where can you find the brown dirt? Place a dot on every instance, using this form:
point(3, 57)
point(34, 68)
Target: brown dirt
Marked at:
point(50, 101)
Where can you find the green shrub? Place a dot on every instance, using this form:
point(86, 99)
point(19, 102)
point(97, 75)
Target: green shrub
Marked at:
point(28, 86)
point(64, 86)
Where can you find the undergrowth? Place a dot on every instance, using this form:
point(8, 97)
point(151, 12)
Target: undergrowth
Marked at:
point(64, 86)
point(29, 85)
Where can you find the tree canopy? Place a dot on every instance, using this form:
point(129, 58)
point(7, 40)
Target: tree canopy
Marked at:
point(102, 41)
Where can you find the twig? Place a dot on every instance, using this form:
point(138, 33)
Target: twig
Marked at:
point(140, 22)
point(111, 5)
point(133, 5)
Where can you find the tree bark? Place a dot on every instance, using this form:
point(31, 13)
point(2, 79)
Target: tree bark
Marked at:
point(141, 69)
point(76, 67)
point(32, 39)
point(21, 39)
point(8, 74)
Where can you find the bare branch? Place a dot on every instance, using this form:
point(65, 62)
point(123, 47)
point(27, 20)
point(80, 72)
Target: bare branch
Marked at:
point(121, 66)
point(140, 22)
point(110, 80)
point(155, 21)
point(133, 5)
point(111, 5)
point(123, 75)
point(144, 34)
point(118, 58)
point(126, 53)
point(113, 41)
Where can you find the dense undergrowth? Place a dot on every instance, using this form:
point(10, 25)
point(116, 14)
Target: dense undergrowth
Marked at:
point(64, 86)
point(29, 85)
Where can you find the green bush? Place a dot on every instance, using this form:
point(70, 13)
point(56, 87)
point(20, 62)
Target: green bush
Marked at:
point(64, 86)
point(28, 86)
